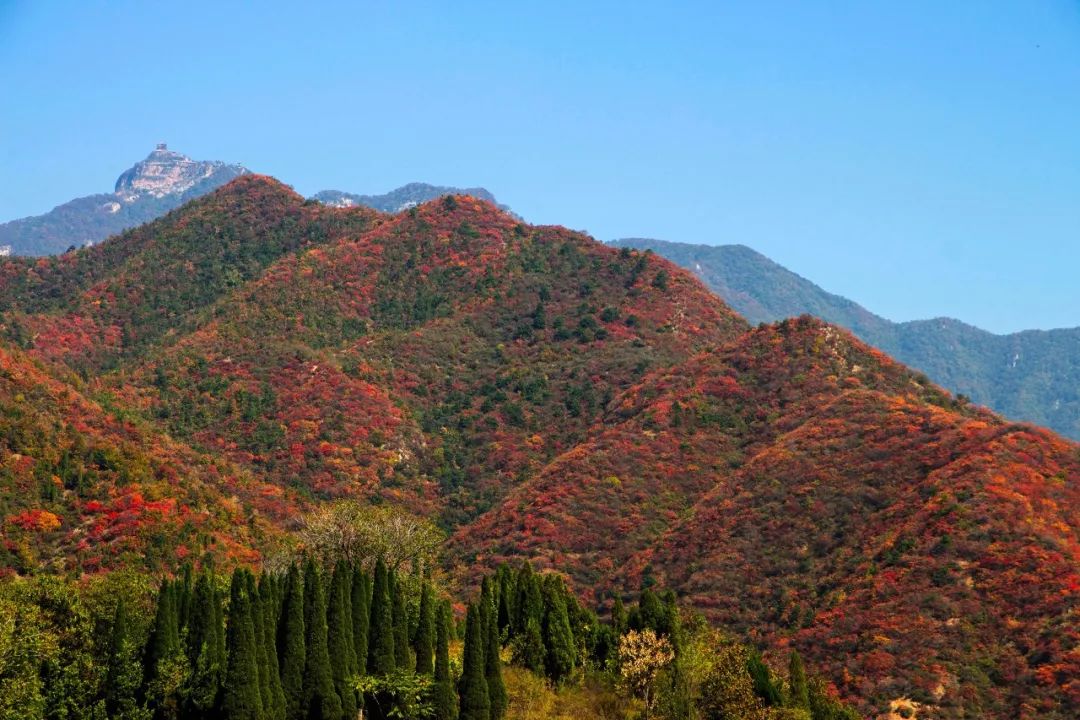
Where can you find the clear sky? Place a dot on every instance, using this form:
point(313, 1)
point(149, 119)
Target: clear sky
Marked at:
point(921, 157)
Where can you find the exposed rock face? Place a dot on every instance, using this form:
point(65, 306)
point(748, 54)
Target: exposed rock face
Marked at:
point(166, 172)
point(402, 198)
point(165, 180)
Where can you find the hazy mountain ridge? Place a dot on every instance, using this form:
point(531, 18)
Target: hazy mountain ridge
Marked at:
point(403, 198)
point(163, 181)
point(1033, 375)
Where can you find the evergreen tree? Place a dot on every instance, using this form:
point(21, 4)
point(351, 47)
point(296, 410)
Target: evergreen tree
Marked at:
point(361, 612)
point(340, 638)
point(558, 636)
point(320, 698)
point(505, 584)
point(528, 647)
point(528, 600)
point(205, 648)
point(472, 688)
point(381, 628)
point(162, 654)
point(400, 619)
point(764, 686)
point(619, 618)
point(184, 597)
point(274, 699)
point(261, 661)
point(425, 632)
point(241, 698)
point(291, 645)
point(800, 689)
point(123, 672)
point(444, 699)
point(493, 665)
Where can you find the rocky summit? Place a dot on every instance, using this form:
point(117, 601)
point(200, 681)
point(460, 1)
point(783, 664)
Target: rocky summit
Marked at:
point(167, 172)
point(165, 180)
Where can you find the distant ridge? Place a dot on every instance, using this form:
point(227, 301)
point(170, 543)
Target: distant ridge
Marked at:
point(164, 181)
point(1032, 375)
point(403, 198)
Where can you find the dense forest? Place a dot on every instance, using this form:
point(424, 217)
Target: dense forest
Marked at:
point(254, 374)
point(336, 640)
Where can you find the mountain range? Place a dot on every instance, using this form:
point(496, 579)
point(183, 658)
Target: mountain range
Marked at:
point(1032, 375)
point(188, 388)
point(165, 180)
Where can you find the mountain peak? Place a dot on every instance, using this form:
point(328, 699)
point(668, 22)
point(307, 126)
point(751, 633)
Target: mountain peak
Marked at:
point(167, 172)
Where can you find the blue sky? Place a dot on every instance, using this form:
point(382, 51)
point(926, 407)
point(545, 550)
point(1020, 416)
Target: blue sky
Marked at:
point(919, 157)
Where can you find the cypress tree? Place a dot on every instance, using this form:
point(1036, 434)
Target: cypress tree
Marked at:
point(425, 632)
point(361, 612)
point(163, 646)
point(558, 636)
point(261, 661)
point(529, 650)
point(274, 699)
point(444, 699)
point(800, 688)
point(764, 687)
point(241, 698)
point(528, 602)
point(493, 665)
point(473, 690)
point(320, 698)
point(123, 673)
point(505, 585)
point(184, 597)
point(340, 638)
point(619, 619)
point(381, 628)
point(205, 648)
point(400, 619)
point(291, 645)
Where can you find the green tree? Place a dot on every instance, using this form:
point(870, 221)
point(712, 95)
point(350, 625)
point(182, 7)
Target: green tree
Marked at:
point(291, 645)
point(799, 693)
point(400, 618)
point(320, 698)
point(381, 628)
point(528, 600)
point(493, 663)
point(361, 611)
point(472, 688)
point(163, 661)
point(123, 672)
point(340, 638)
point(444, 698)
point(205, 648)
point(558, 636)
point(241, 698)
point(764, 685)
point(425, 632)
point(274, 698)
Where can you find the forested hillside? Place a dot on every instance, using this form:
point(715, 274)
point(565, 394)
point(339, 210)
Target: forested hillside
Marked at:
point(1031, 375)
point(205, 382)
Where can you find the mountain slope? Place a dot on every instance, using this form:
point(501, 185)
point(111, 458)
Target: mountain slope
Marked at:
point(803, 488)
point(1032, 375)
point(163, 181)
point(598, 410)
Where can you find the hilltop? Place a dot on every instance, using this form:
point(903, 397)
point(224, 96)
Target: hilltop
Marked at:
point(596, 410)
point(1031, 375)
point(164, 181)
